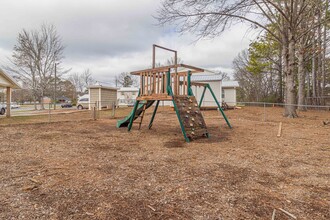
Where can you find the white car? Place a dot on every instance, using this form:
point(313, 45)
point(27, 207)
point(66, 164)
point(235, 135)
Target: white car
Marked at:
point(14, 105)
point(83, 102)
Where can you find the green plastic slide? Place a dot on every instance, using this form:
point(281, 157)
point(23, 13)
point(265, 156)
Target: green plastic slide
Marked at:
point(124, 122)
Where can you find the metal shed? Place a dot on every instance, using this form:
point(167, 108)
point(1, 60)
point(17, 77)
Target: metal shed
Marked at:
point(225, 91)
point(9, 84)
point(102, 96)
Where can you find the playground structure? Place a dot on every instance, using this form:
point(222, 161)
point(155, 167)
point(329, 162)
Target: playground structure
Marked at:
point(171, 83)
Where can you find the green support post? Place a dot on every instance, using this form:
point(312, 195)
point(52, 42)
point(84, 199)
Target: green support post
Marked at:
point(220, 109)
point(153, 115)
point(190, 93)
point(170, 92)
point(133, 115)
point(200, 101)
point(168, 78)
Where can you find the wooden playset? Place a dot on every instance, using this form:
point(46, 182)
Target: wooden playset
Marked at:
point(171, 83)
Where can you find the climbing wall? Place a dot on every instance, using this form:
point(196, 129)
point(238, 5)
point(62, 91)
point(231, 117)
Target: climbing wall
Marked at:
point(191, 116)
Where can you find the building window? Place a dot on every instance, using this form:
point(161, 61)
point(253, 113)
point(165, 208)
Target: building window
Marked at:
point(122, 93)
point(223, 93)
point(133, 93)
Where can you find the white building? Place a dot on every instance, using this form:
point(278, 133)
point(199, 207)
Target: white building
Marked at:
point(225, 91)
point(228, 93)
point(102, 96)
point(127, 96)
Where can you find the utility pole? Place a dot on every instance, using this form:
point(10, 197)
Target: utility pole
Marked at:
point(55, 89)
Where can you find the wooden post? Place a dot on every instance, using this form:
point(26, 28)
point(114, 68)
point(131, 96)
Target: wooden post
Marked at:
point(8, 95)
point(153, 56)
point(113, 109)
point(55, 88)
point(164, 82)
point(184, 84)
point(94, 113)
point(158, 83)
point(279, 130)
point(141, 83)
point(154, 83)
point(176, 73)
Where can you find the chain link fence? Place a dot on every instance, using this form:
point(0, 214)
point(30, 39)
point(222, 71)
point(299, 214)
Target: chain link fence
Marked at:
point(112, 110)
point(30, 113)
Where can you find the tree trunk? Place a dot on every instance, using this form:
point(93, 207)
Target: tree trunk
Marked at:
point(42, 107)
point(280, 74)
point(313, 71)
point(319, 58)
point(324, 49)
point(301, 80)
point(290, 107)
point(308, 86)
point(284, 66)
point(35, 102)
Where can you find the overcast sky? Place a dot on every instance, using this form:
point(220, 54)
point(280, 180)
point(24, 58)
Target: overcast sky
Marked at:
point(112, 36)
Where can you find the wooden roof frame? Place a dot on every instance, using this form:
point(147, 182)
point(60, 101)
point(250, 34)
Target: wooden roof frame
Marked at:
point(165, 68)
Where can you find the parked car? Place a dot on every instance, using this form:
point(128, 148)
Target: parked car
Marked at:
point(66, 105)
point(14, 105)
point(2, 109)
point(83, 103)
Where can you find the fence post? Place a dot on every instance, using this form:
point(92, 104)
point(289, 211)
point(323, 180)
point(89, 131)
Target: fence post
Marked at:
point(113, 109)
point(49, 115)
point(94, 113)
point(264, 111)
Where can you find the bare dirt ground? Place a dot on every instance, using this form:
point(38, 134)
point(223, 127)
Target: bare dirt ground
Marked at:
point(92, 170)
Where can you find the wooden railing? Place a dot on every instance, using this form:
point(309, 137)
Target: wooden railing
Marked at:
point(153, 85)
point(154, 82)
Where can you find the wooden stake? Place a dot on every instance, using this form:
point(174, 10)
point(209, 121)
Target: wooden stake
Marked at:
point(273, 216)
point(279, 130)
point(94, 113)
point(152, 208)
point(288, 213)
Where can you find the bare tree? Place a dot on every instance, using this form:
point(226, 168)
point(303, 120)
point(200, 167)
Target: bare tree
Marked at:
point(224, 75)
point(81, 81)
point(76, 81)
point(171, 61)
point(87, 79)
point(34, 58)
point(126, 80)
point(211, 17)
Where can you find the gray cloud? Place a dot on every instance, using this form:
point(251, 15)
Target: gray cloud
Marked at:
point(111, 36)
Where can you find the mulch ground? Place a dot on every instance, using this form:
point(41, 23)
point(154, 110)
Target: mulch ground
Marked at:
point(92, 170)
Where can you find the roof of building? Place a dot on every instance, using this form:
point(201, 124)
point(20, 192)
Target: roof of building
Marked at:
point(8, 81)
point(229, 84)
point(102, 87)
point(128, 89)
point(212, 78)
point(63, 98)
point(205, 78)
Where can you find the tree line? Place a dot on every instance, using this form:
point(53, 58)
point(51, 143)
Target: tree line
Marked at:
point(296, 29)
point(37, 63)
